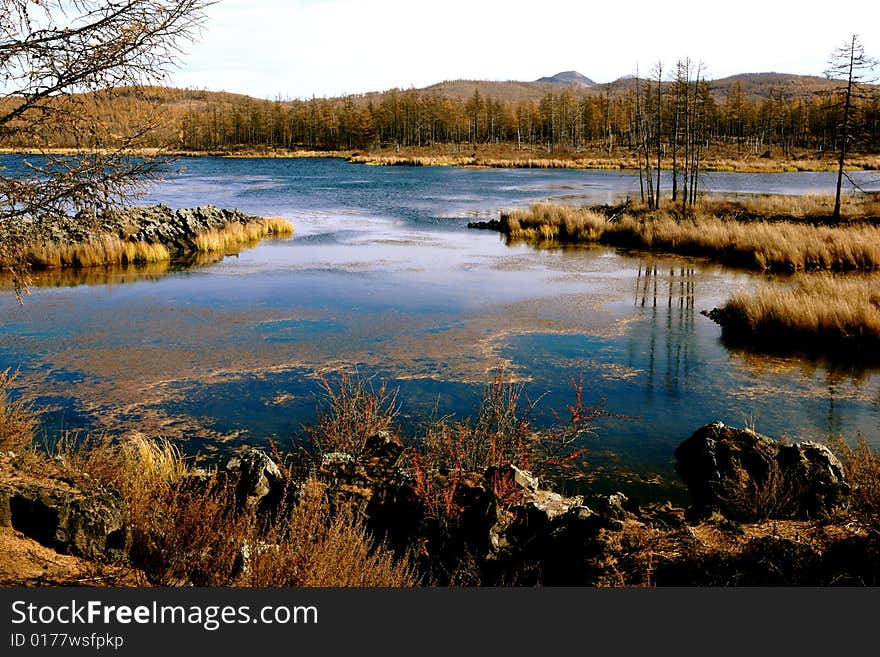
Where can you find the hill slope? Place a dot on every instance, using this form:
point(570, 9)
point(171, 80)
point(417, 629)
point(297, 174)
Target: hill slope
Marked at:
point(569, 77)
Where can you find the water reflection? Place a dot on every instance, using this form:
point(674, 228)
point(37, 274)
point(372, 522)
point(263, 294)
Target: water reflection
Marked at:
point(380, 277)
point(116, 274)
point(667, 294)
point(839, 384)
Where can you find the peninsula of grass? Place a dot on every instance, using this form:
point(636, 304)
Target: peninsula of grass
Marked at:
point(141, 236)
point(752, 234)
point(826, 315)
point(831, 308)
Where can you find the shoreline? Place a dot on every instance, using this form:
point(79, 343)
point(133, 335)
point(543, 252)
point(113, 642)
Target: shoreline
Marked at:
point(829, 308)
point(133, 509)
point(151, 234)
point(495, 158)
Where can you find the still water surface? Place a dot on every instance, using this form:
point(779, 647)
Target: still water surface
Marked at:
point(384, 275)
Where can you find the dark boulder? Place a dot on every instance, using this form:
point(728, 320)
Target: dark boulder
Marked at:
point(751, 477)
point(257, 478)
point(83, 520)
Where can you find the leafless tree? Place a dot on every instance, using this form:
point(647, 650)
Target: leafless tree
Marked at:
point(58, 58)
point(848, 63)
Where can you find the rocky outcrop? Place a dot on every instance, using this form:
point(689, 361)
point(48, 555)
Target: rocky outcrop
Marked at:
point(500, 523)
point(491, 224)
point(85, 521)
point(749, 477)
point(256, 477)
point(159, 224)
point(153, 224)
point(503, 527)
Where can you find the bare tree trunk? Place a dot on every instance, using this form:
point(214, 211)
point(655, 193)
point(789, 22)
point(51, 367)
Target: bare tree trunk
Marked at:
point(845, 136)
point(659, 127)
point(639, 135)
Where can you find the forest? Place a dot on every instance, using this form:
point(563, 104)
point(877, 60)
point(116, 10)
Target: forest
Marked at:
point(745, 115)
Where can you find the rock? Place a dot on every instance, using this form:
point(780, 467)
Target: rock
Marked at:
point(492, 224)
point(85, 521)
point(750, 477)
point(663, 516)
point(372, 479)
point(611, 509)
point(383, 450)
point(510, 476)
point(258, 478)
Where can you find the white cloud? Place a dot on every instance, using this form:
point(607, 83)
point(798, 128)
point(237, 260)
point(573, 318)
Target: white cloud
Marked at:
point(297, 49)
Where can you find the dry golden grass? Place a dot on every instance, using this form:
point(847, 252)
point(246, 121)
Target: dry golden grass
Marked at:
point(107, 250)
point(594, 157)
point(188, 529)
point(18, 419)
point(815, 207)
point(110, 250)
point(826, 312)
point(766, 245)
point(310, 546)
point(494, 163)
point(863, 472)
point(236, 234)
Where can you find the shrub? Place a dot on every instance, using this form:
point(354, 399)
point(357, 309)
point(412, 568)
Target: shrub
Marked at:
point(502, 433)
point(18, 419)
point(862, 465)
point(352, 412)
point(310, 546)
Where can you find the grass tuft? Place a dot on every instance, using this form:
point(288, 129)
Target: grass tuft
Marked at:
point(18, 419)
point(236, 234)
point(829, 313)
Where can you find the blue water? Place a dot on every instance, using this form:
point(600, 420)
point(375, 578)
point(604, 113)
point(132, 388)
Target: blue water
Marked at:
point(382, 275)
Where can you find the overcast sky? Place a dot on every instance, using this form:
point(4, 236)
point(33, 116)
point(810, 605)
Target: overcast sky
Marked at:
point(300, 48)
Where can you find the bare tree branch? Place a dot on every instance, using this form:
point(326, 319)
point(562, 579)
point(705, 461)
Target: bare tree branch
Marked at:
point(60, 62)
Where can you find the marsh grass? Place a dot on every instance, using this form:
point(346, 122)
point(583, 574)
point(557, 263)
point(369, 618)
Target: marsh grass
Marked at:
point(862, 464)
point(821, 312)
point(813, 207)
point(108, 250)
point(19, 420)
point(758, 244)
point(237, 234)
point(504, 156)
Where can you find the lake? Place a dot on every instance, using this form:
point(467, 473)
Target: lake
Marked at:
point(383, 275)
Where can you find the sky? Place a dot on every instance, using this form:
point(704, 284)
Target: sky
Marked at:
point(304, 48)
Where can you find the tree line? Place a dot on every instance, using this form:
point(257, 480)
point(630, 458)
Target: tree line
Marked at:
point(570, 119)
point(677, 111)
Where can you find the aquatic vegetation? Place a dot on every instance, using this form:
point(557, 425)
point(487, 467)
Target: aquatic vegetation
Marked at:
point(236, 234)
point(754, 243)
point(104, 250)
point(826, 313)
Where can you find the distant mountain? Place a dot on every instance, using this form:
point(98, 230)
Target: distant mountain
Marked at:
point(569, 77)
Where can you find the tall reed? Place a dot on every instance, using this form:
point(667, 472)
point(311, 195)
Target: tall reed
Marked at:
point(765, 245)
point(827, 313)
